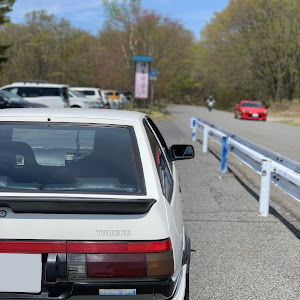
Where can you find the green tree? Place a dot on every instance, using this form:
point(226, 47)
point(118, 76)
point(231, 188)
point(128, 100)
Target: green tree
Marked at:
point(5, 7)
point(129, 30)
point(250, 50)
point(47, 48)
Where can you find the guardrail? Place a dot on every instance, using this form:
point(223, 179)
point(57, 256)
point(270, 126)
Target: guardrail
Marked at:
point(118, 104)
point(273, 167)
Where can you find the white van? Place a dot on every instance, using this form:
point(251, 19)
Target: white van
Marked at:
point(51, 95)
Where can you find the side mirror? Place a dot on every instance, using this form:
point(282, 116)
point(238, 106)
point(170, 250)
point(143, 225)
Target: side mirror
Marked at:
point(180, 152)
point(3, 102)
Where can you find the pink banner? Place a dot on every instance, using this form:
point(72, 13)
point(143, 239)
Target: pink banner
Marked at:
point(141, 80)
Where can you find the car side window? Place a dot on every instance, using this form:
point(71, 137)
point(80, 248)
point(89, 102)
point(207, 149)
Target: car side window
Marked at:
point(89, 93)
point(164, 173)
point(50, 92)
point(29, 92)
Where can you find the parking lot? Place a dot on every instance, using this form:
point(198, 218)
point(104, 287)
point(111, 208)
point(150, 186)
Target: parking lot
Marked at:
point(238, 255)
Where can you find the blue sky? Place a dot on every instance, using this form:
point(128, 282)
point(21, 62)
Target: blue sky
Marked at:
point(89, 14)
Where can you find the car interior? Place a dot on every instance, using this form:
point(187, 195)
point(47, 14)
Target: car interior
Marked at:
point(110, 167)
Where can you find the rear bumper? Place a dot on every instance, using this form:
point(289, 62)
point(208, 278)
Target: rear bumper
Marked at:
point(164, 289)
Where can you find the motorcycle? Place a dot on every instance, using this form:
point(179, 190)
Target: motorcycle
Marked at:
point(210, 105)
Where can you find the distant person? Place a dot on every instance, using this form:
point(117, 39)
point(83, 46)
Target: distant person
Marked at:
point(210, 102)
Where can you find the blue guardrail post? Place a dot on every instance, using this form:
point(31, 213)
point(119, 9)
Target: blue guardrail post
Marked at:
point(194, 136)
point(224, 155)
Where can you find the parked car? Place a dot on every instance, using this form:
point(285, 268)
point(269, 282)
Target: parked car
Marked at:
point(51, 95)
point(117, 99)
point(251, 110)
point(126, 94)
point(94, 94)
point(90, 204)
point(111, 94)
point(9, 100)
point(79, 100)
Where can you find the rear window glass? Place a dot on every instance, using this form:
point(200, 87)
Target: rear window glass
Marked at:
point(89, 93)
point(71, 159)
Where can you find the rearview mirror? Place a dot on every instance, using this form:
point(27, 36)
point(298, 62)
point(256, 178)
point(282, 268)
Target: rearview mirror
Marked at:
point(180, 152)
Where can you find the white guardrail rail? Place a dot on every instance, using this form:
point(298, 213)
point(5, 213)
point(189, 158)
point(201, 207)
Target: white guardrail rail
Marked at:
point(273, 167)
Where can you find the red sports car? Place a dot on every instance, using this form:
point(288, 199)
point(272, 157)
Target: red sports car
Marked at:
point(251, 110)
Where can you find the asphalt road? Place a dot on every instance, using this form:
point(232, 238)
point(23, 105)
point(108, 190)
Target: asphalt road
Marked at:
point(239, 255)
point(281, 138)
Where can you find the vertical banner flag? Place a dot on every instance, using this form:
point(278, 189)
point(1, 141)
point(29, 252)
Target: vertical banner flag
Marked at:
point(141, 80)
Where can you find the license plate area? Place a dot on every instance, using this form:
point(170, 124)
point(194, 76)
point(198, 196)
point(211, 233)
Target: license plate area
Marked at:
point(255, 115)
point(20, 273)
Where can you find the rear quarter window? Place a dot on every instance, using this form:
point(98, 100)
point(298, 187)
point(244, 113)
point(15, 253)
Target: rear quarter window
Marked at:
point(89, 93)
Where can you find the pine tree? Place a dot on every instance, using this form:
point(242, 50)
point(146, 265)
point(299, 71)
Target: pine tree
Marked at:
point(5, 7)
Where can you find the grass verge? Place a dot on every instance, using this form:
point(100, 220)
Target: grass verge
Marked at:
point(285, 109)
point(290, 122)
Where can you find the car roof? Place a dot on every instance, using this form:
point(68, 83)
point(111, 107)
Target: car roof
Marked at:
point(83, 88)
point(80, 114)
point(35, 84)
point(251, 101)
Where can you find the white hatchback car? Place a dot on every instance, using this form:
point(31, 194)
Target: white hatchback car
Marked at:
point(94, 94)
point(90, 205)
point(79, 100)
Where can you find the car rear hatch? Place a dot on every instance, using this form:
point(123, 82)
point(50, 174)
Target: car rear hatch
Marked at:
point(65, 228)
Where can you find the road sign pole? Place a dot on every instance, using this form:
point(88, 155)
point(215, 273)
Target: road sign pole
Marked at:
point(152, 93)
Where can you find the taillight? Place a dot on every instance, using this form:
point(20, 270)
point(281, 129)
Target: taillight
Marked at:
point(33, 247)
point(120, 260)
point(105, 259)
point(119, 247)
point(116, 265)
